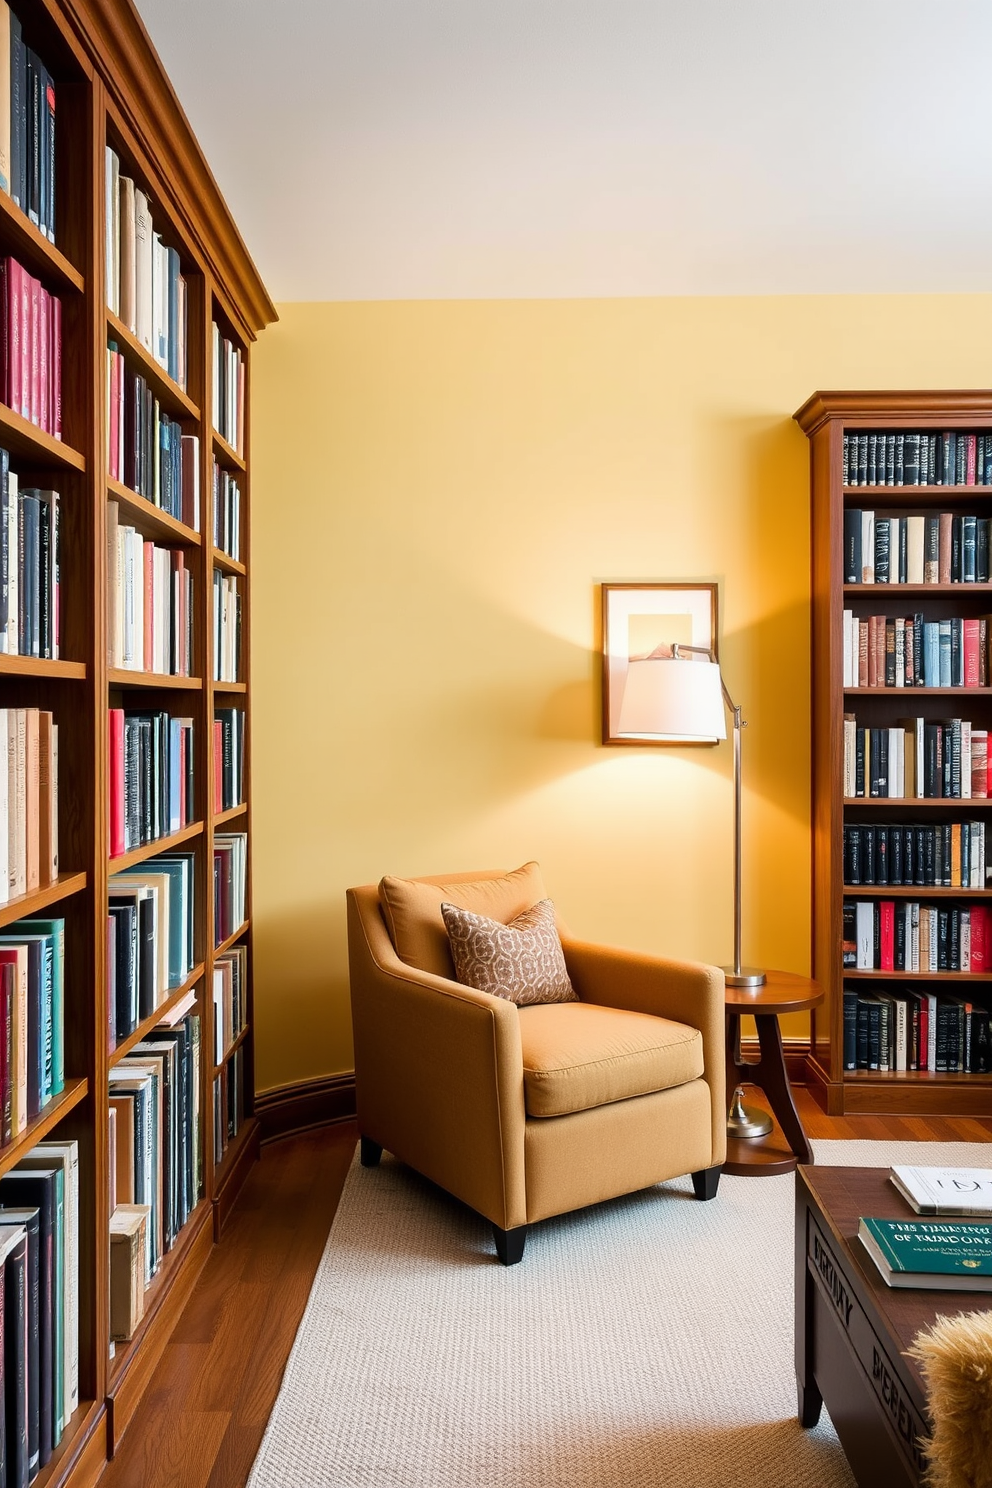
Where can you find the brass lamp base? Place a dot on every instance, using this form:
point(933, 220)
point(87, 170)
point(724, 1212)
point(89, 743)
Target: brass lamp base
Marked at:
point(746, 976)
point(746, 1121)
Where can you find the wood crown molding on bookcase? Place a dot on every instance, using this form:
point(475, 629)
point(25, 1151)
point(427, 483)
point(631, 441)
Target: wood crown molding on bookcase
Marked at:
point(120, 48)
point(868, 407)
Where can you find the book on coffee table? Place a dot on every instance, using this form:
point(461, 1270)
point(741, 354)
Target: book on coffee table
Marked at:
point(921, 1253)
point(945, 1190)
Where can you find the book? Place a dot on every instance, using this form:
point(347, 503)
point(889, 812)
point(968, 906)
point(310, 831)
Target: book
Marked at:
point(918, 1253)
point(127, 1268)
point(945, 1190)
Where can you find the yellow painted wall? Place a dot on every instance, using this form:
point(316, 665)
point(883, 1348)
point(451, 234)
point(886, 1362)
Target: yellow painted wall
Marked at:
point(438, 489)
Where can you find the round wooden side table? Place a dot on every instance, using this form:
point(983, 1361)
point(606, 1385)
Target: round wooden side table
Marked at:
point(787, 1143)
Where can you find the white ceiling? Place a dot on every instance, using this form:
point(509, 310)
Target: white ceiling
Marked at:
point(408, 149)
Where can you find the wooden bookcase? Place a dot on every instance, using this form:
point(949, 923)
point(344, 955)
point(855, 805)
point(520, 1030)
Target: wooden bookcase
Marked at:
point(826, 418)
point(111, 90)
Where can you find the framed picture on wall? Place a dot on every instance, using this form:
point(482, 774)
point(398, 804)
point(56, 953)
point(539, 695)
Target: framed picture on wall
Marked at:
point(641, 620)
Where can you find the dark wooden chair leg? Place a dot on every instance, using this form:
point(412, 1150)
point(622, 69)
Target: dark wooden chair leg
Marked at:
point(510, 1244)
point(371, 1153)
point(704, 1183)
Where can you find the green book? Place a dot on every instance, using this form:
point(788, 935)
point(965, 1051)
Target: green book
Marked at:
point(930, 1253)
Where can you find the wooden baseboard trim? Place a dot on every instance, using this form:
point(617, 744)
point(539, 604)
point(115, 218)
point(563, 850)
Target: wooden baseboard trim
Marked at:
point(796, 1054)
point(294, 1108)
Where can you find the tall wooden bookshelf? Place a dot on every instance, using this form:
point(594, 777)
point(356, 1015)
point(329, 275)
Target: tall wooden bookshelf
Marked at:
point(827, 418)
point(112, 91)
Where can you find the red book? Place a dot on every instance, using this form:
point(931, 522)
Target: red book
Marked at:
point(988, 765)
point(887, 934)
point(979, 937)
point(148, 591)
point(218, 766)
point(972, 656)
point(115, 783)
point(23, 280)
point(43, 357)
point(12, 336)
point(56, 328)
point(34, 348)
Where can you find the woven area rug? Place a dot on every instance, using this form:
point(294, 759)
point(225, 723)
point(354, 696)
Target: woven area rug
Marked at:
point(642, 1343)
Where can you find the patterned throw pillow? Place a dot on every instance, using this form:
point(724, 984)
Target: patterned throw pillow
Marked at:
point(522, 961)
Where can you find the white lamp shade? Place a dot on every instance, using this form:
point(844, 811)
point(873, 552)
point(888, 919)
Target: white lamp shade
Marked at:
point(663, 697)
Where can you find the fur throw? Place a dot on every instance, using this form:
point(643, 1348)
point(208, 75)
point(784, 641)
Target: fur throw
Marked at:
point(955, 1359)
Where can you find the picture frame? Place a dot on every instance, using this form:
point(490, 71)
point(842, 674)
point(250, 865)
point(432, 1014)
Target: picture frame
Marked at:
point(636, 619)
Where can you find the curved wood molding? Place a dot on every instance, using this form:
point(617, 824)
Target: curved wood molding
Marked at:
point(137, 82)
point(867, 408)
point(305, 1104)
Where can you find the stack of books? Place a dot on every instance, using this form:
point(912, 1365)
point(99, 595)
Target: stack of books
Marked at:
point(943, 1252)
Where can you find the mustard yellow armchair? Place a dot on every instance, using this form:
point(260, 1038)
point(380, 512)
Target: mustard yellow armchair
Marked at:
point(528, 1112)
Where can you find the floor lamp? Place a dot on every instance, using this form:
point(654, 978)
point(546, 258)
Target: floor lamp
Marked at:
point(669, 694)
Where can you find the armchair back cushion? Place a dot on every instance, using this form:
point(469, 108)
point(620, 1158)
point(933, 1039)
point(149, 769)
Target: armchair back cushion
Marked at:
point(412, 910)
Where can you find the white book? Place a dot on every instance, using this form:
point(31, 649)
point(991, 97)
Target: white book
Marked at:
point(945, 1190)
point(4, 814)
point(965, 759)
point(864, 925)
point(915, 529)
point(142, 269)
point(901, 1040)
point(897, 762)
point(913, 942)
point(846, 670)
point(931, 1029)
point(964, 949)
point(112, 231)
point(850, 767)
point(867, 547)
point(5, 177)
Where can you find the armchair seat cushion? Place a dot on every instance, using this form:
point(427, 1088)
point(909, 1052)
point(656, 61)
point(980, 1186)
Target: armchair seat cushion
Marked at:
point(577, 1055)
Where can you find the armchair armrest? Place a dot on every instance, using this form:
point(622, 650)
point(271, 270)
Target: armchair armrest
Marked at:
point(688, 992)
point(439, 1072)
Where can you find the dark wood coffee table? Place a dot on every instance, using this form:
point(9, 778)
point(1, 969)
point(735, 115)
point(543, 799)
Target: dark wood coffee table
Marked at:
point(851, 1329)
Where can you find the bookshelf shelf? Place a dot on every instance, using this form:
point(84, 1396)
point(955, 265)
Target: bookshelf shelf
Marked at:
point(35, 251)
point(33, 666)
point(124, 677)
point(29, 443)
point(48, 1118)
point(221, 560)
point(152, 849)
point(120, 1051)
point(225, 945)
point(231, 814)
point(225, 454)
point(238, 688)
point(945, 432)
point(168, 392)
point(149, 519)
point(24, 905)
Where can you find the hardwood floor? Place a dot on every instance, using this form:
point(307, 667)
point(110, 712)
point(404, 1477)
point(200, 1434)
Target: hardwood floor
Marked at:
point(201, 1423)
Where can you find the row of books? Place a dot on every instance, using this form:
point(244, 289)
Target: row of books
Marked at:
point(230, 1000)
point(916, 758)
point(27, 127)
point(948, 458)
point(935, 855)
point(911, 651)
point(150, 930)
point(32, 1020)
point(39, 1279)
point(900, 935)
point(230, 880)
point(146, 449)
point(149, 602)
point(29, 568)
point(229, 758)
point(31, 341)
point(227, 512)
point(150, 781)
point(922, 548)
point(228, 389)
point(29, 801)
point(145, 288)
point(229, 1103)
point(912, 1029)
point(155, 1093)
point(227, 627)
